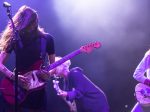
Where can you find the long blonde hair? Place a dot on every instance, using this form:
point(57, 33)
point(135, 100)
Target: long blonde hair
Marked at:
point(23, 19)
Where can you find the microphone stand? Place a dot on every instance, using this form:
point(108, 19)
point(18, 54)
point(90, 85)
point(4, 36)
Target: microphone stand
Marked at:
point(17, 45)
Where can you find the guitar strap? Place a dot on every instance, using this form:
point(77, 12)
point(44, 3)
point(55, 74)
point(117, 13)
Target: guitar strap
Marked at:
point(43, 51)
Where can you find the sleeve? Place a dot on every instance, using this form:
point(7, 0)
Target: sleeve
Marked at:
point(142, 68)
point(50, 48)
point(78, 81)
point(71, 95)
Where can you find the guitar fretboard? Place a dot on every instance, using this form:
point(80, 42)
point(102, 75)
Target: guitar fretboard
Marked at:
point(65, 58)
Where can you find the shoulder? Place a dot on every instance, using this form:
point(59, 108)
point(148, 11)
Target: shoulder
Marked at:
point(76, 69)
point(47, 36)
point(147, 53)
point(76, 73)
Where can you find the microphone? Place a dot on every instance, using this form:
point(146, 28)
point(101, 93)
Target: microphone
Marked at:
point(6, 4)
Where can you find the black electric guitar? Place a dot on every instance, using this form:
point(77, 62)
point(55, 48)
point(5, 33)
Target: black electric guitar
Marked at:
point(34, 82)
point(142, 93)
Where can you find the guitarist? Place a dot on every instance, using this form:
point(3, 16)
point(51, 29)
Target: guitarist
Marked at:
point(88, 97)
point(142, 75)
point(29, 56)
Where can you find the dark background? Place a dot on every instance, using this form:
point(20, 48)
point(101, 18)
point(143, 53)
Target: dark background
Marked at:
point(122, 26)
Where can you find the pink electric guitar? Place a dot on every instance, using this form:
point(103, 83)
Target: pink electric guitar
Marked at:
point(34, 77)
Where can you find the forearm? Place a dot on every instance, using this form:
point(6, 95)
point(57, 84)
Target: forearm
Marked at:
point(51, 58)
point(139, 75)
point(141, 69)
point(3, 68)
point(6, 71)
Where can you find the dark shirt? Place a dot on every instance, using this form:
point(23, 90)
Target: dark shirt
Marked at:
point(29, 58)
point(30, 54)
point(88, 97)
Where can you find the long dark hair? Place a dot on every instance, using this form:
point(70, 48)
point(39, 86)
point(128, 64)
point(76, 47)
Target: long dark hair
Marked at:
point(26, 19)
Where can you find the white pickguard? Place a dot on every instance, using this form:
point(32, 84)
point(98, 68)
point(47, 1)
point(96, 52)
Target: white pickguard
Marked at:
point(34, 82)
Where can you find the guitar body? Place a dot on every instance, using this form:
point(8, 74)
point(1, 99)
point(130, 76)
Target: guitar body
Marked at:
point(8, 86)
point(8, 92)
point(35, 83)
point(142, 93)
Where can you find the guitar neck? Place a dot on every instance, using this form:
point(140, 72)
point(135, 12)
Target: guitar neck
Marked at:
point(65, 58)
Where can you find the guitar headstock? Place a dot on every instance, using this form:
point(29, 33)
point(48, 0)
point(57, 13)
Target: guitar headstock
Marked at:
point(89, 47)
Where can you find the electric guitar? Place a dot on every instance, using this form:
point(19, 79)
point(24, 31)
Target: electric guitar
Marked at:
point(34, 77)
point(72, 105)
point(142, 93)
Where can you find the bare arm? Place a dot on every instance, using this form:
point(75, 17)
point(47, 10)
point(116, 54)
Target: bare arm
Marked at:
point(51, 58)
point(3, 68)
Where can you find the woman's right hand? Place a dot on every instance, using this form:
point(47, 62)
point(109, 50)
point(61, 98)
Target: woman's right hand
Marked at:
point(22, 80)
